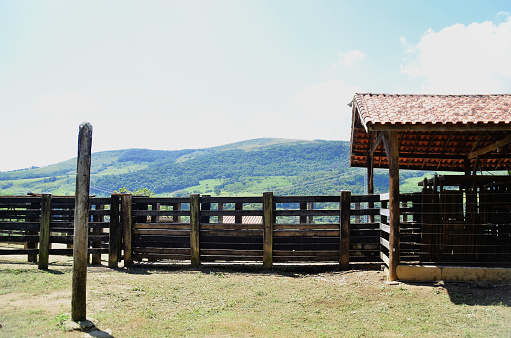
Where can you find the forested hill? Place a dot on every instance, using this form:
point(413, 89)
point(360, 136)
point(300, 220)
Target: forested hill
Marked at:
point(287, 167)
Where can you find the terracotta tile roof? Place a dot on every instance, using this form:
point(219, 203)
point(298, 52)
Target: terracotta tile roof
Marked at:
point(435, 132)
point(381, 109)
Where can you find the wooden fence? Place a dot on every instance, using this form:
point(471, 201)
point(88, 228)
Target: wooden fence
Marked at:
point(40, 221)
point(266, 229)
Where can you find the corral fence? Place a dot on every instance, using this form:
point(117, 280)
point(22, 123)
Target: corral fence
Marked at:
point(265, 229)
point(346, 229)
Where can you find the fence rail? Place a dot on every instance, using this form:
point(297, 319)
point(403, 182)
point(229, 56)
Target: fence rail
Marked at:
point(346, 229)
point(198, 229)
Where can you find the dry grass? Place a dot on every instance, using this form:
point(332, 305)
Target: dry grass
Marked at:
point(245, 301)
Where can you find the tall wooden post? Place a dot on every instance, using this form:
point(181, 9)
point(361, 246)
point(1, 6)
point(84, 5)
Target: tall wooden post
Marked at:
point(268, 219)
point(195, 229)
point(44, 234)
point(344, 249)
point(81, 223)
point(126, 226)
point(391, 143)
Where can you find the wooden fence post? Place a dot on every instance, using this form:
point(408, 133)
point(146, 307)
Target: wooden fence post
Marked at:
point(44, 234)
point(195, 229)
point(344, 248)
point(113, 247)
point(96, 258)
point(81, 226)
point(32, 258)
point(238, 218)
point(126, 226)
point(268, 230)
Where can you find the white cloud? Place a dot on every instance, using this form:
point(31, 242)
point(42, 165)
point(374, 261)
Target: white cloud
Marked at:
point(459, 59)
point(350, 58)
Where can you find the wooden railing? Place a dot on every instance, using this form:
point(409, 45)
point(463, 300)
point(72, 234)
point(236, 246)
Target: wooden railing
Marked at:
point(40, 221)
point(267, 229)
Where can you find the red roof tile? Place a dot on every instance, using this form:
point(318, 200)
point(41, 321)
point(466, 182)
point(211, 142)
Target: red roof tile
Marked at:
point(384, 109)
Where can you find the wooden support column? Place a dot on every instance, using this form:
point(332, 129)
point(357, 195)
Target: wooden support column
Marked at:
point(370, 182)
point(344, 249)
point(268, 219)
point(44, 234)
point(114, 235)
point(238, 218)
point(81, 224)
point(126, 229)
point(195, 229)
point(390, 140)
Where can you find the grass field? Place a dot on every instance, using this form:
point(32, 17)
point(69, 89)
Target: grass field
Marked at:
point(231, 300)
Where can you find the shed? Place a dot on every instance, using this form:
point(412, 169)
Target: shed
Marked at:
point(466, 134)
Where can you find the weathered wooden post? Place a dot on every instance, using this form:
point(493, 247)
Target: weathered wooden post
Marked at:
point(44, 234)
point(344, 248)
point(391, 143)
point(195, 229)
point(126, 226)
point(81, 224)
point(268, 219)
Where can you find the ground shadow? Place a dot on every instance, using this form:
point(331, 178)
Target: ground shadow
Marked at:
point(475, 293)
point(287, 270)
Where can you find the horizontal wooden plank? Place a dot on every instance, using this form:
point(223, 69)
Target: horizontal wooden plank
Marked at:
point(217, 258)
point(160, 200)
point(385, 197)
point(363, 212)
point(306, 233)
point(308, 253)
point(224, 252)
point(219, 199)
point(324, 212)
point(384, 258)
point(365, 198)
point(384, 242)
point(161, 232)
point(24, 238)
point(306, 199)
point(307, 226)
point(19, 213)
point(233, 233)
point(231, 226)
point(384, 227)
point(10, 200)
point(385, 212)
point(181, 213)
point(18, 252)
point(169, 226)
point(178, 251)
point(22, 226)
point(206, 213)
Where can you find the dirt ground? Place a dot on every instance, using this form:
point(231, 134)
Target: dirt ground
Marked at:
point(368, 283)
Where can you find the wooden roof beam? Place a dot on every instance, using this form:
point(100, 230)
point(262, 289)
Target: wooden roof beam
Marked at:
point(505, 141)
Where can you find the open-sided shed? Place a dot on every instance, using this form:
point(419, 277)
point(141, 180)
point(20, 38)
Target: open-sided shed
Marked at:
point(463, 216)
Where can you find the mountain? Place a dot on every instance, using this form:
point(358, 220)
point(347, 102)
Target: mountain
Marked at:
point(287, 167)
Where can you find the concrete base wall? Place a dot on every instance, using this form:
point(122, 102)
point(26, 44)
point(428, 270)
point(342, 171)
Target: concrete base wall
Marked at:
point(430, 273)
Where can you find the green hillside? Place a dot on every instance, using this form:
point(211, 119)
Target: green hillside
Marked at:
point(287, 167)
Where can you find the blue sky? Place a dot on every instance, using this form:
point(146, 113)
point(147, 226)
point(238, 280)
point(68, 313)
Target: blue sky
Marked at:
point(192, 74)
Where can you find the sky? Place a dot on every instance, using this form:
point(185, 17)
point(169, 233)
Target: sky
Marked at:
point(175, 75)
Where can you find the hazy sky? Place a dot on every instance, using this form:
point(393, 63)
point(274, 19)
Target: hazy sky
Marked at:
point(193, 74)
